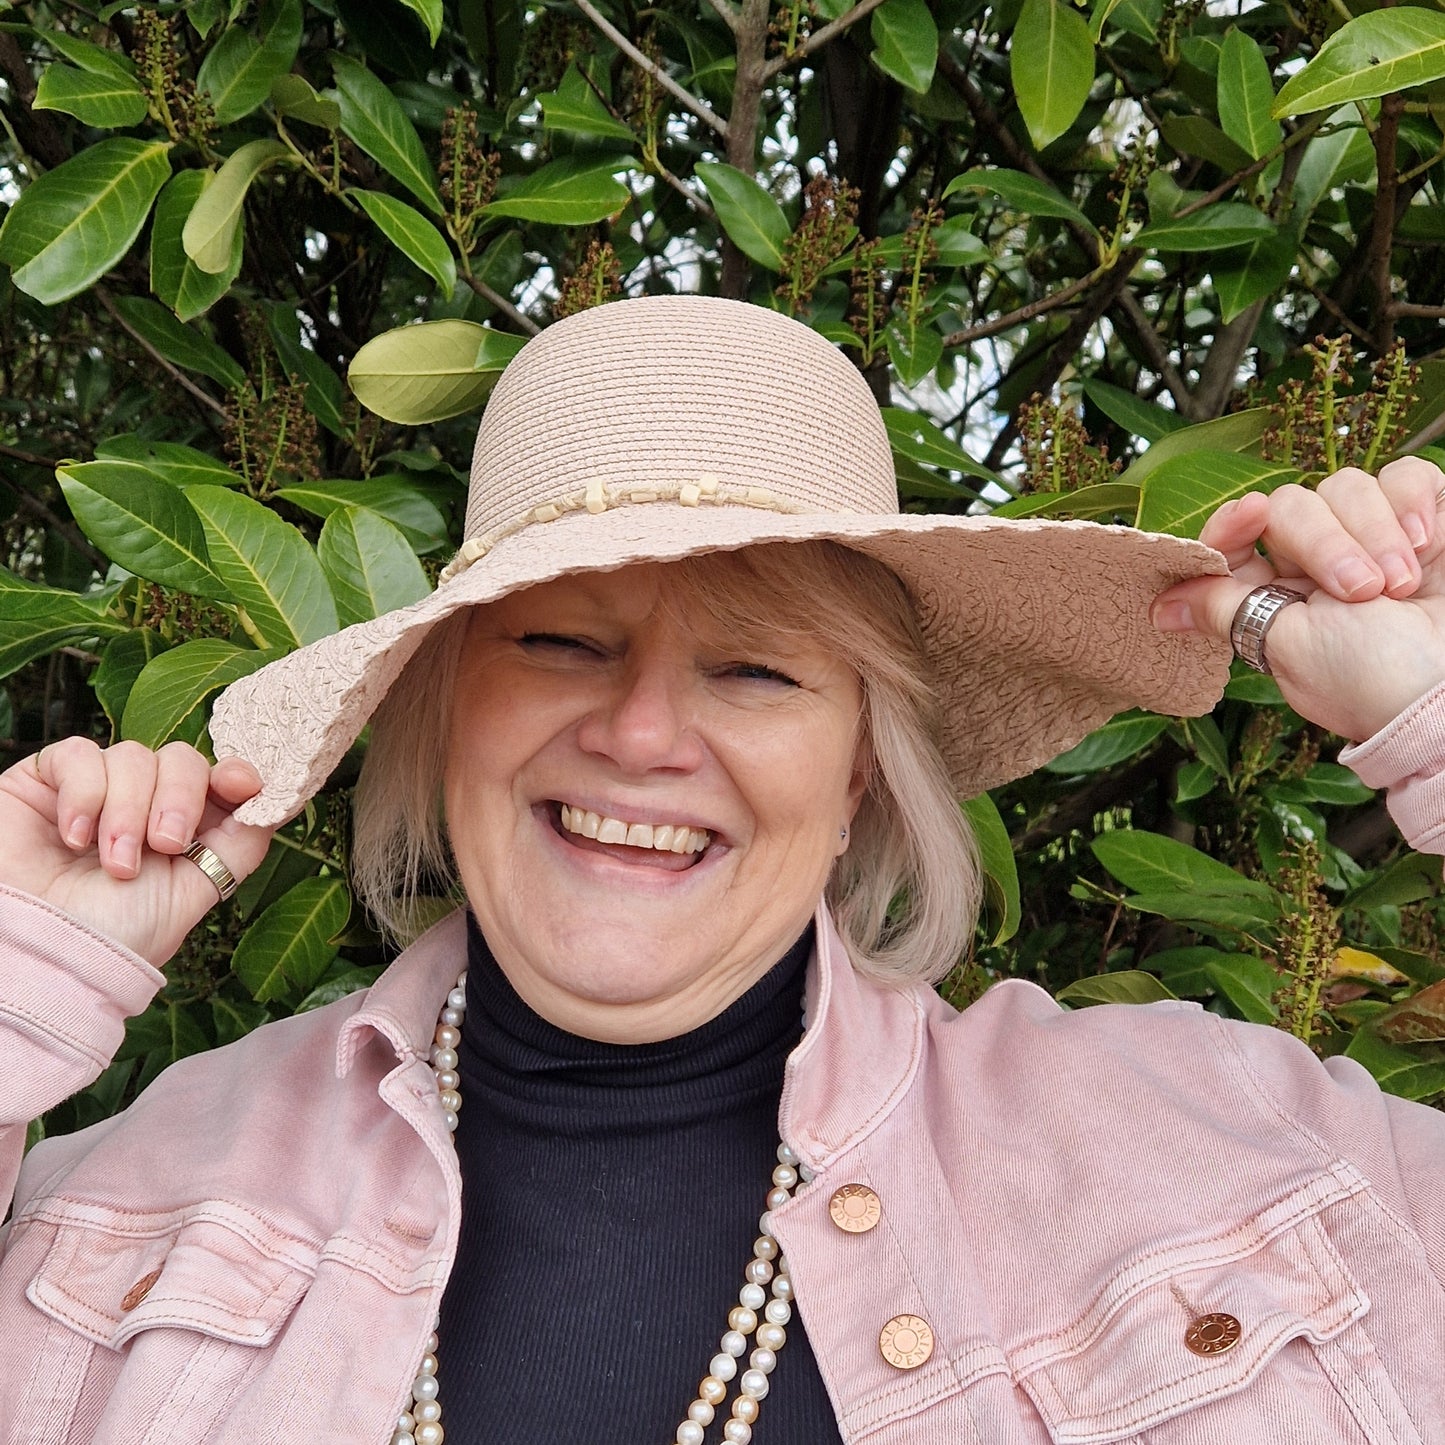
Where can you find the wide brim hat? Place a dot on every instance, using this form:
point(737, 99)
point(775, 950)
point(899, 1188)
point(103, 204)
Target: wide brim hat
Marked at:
point(660, 428)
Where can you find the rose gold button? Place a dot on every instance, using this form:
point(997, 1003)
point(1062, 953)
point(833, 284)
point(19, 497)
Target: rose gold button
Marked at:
point(1213, 1334)
point(855, 1208)
point(139, 1290)
point(906, 1341)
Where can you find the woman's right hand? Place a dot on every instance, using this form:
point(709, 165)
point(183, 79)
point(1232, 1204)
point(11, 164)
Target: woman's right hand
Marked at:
point(97, 832)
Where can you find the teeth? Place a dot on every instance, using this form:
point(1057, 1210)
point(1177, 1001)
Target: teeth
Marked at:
point(660, 837)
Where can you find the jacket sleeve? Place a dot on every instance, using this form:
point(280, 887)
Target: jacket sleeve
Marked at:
point(1407, 756)
point(65, 994)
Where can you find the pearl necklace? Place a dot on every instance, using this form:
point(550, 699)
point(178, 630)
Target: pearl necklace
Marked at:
point(763, 1310)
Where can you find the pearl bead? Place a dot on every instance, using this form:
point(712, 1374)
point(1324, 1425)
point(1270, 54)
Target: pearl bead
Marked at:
point(723, 1366)
point(764, 1360)
point(772, 1337)
point(432, 1342)
point(754, 1383)
point(451, 1120)
point(448, 1079)
point(457, 998)
point(745, 1409)
point(765, 1248)
point(765, 1222)
point(778, 1312)
point(701, 1411)
point(405, 1423)
point(786, 1155)
point(776, 1199)
point(734, 1344)
point(424, 1387)
point(430, 1434)
point(742, 1318)
point(453, 1016)
point(785, 1176)
point(805, 1174)
point(759, 1271)
point(737, 1432)
point(403, 1437)
point(451, 1099)
point(430, 1411)
point(752, 1297)
point(713, 1390)
point(689, 1433)
point(782, 1288)
point(428, 1364)
point(447, 1037)
point(462, 979)
point(444, 1058)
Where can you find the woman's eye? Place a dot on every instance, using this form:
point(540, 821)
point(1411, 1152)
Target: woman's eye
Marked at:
point(545, 640)
point(759, 672)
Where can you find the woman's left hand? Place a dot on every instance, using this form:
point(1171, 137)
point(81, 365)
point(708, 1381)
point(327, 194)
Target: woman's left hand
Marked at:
point(1369, 552)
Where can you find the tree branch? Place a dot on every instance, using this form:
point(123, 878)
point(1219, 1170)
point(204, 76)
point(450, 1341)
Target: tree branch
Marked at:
point(820, 38)
point(728, 12)
point(1382, 231)
point(1410, 308)
point(742, 132)
point(178, 376)
point(1142, 329)
point(516, 317)
point(699, 108)
point(1336, 314)
point(1017, 317)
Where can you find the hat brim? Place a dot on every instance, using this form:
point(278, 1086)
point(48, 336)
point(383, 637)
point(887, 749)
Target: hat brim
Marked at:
point(1039, 632)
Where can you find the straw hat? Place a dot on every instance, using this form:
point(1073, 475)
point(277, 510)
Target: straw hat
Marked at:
point(655, 429)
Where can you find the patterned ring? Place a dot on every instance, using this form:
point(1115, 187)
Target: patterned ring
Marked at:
point(1253, 620)
point(212, 867)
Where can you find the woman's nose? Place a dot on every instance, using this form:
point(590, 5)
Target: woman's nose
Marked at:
point(646, 723)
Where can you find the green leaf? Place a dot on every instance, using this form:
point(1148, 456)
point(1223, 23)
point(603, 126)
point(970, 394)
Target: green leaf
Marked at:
point(1138, 417)
point(430, 14)
point(1051, 62)
point(1103, 499)
point(914, 436)
point(71, 225)
point(175, 278)
point(1252, 272)
point(177, 342)
point(914, 348)
point(416, 517)
point(1121, 737)
point(1232, 912)
point(1021, 192)
point(1409, 1073)
point(573, 191)
point(1130, 986)
point(576, 108)
point(325, 396)
point(181, 466)
point(372, 116)
point(1194, 135)
point(120, 664)
point(413, 235)
point(106, 101)
point(209, 234)
point(1240, 431)
point(1152, 863)
point(905, 42)
point(1408, 879)
point(338, 986)
point(753, 220)
point(370, 565)
point(1246, 94)
point(430, 371)
point(287, 949)
point(269, 567)
point(956, 245)
point(294, 98)
point(95, 59)
point(1371, 55)
point(168, 699)
point(35, 620)
point(240, 69)
point(1229, 223)
point(1249, 983)
point(143, 524)
point(1000, 870)
point(1181, 493)
point(1195, 780)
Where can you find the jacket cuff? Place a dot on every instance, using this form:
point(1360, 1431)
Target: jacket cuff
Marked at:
point(1407, 756)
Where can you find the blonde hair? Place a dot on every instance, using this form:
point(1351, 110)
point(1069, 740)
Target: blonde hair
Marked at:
point(904, 895)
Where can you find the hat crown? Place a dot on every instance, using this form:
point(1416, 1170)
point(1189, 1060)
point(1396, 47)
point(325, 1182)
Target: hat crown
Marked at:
point(669, 390)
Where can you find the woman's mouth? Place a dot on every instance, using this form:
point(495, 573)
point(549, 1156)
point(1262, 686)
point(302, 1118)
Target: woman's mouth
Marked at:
point(658, 844)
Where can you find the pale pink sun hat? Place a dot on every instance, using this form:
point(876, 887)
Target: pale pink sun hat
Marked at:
point(660, 428)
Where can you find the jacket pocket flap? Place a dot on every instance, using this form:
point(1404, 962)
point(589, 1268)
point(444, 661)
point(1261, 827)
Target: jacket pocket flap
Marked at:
point(216, 1270)
point(1130, 1363)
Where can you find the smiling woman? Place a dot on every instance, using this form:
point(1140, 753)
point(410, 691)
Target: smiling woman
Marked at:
point(684, 728)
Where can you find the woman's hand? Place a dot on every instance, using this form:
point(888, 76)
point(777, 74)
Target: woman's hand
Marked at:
point(1369, 552)
point(97, 832)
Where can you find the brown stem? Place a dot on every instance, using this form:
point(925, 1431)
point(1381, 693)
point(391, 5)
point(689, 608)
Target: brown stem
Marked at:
point(1017, 317)
point(516, 317)
point(742, 128)
point(1152, 344)
point(1377, 257)
point(728, 12)
point(1332, 309)
point(1410, 308)
point(178, 376)
point(820, 38)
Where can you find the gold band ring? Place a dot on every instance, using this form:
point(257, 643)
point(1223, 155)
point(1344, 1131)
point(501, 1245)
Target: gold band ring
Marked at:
point(212, 867)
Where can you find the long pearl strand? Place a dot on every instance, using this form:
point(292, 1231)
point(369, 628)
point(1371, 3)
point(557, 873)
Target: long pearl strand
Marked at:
point(763, 1311)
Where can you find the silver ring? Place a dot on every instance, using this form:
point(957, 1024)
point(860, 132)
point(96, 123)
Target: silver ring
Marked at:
point(212, 867)
point(1253, 620)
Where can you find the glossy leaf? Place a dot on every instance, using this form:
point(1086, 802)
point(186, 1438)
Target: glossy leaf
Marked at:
point(415, 516)
point(576, 108)
point(1000, 870)
point(1179, 495)
point(287, 949)
point(956, 245)
point(168, 699)
point(1051, 62)
point(1246, 95)
point(370, 565)
point(1250, 273)
point(1399, 1070)
point(413, 235)
point(573, 191)
point(1371, 55)
point(1249, 983)
point(120, 664)
point(429, 12)
point(1409, 878)
point(1153, 863)
point(35, 620)
point(1140, 418)
point(325, 395)
point(240, 68)
point(1229, 223)
point(94, 59)
point(1103, 499)
point(921, 440)
point(1194, 135)
point(1119, 738)
point(172, 462)
point(179, 343)
point(753, 220)
point(430, 371)
point(1233, 913)
point(1129, 986)
point(269, 568)
point(905, 42)
point(914, 349)
point(72, 224)
point(1021, 192)
point(372, 116)
point(1240, 431)
point(175, 278)
point(105, 101)
point(209, 235)
point(141, 523)
point(294, 98)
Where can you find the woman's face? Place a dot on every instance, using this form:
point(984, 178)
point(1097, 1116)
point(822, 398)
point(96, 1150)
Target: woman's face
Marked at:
point(643, 815)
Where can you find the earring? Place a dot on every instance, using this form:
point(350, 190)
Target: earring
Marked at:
point(842, 835)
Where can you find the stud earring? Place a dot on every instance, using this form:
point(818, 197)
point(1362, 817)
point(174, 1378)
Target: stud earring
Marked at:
point(842, 835)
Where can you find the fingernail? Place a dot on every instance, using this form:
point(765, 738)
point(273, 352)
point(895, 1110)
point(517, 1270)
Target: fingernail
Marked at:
point(125, 854)
point(171, 827)
point(1416, 531)
point(1397, 570)
point(1354, 575)
point(78, 834)
point(1173, 617)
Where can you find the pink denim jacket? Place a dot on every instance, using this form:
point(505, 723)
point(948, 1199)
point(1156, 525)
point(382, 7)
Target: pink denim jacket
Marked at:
point(254, 1252)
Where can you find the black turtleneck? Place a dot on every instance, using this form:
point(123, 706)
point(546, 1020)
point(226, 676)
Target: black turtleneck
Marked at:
point(610, 1199)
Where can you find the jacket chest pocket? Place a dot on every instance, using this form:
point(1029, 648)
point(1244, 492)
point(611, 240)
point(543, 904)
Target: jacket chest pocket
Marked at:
point(1185, 1348)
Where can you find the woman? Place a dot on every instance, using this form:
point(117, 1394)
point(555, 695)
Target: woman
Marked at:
point(690, 673)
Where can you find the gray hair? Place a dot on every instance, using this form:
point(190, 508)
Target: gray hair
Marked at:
point(904, 895)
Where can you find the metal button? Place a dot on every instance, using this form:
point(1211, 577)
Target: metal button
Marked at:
point(139, 1290)
point(855, 1208)
point(1213, 1334)
point(906, 1341)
